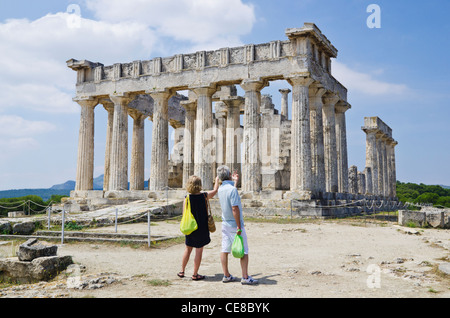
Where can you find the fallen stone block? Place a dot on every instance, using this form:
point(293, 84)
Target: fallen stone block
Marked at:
point(40, 269)
point(32, 249)
point(24, 228)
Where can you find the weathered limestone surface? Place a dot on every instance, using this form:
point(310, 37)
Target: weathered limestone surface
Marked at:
point(380, 156)
point(329, 128)
point(32, 249)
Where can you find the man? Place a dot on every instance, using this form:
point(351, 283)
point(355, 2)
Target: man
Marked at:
point(232, 224)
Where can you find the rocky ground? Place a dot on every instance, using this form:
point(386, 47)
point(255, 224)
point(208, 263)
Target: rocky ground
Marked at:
point(338, 259)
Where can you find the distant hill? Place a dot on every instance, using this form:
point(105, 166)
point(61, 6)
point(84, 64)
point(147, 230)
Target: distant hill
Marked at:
point(58, 189)
point(45, 194)
point(444, 186)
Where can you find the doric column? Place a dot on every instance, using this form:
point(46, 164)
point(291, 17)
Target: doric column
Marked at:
point(341, 145)
point(220, 132)
point(188, 148)
point(137, 171)
point(369, 180)
point(372, 156)
point(353, 180)
point(118, 179)
point(361, 183)
point(85, 162)
point(109, 107)
point(233, 133)
point(380, 161)
point(386, 182)
point(284, 102)
point(159, 165)
point(251, 167)
point(204, 159)
point(329, 140)
point(301, 177)
point(392, 169)
point(317, 148)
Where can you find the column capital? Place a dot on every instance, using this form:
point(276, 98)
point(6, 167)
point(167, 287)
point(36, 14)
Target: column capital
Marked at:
point(160, 94)
point(107, 104)
point(342, 106)
point(233, 101)
point(369, 130)
point(189, 105)
point(204, 90)
point(253, 85)
point(135, 114)
point(86, 101)
point(121, 98)
point(301, 80)
point(330, 98)
point(284, 91)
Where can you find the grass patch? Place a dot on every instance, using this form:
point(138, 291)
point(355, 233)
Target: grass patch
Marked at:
point(159, 282)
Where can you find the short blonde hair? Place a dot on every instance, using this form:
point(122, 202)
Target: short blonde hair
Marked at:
point(194, 185)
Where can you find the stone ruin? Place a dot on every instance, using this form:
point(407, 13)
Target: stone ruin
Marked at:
point(302, 158)
point(35, 262)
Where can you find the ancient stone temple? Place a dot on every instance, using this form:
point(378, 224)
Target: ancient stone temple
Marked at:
point(303, 157)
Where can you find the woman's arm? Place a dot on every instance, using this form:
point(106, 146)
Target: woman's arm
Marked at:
point(212, 193)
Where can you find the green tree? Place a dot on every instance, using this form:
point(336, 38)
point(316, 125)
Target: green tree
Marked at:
point(427, 197)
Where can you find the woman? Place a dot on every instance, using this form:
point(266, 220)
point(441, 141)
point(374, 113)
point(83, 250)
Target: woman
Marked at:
point(200, 237)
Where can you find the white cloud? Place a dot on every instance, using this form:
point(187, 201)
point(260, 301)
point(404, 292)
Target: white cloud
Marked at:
point(16, 126)
point(365, 83)
point(19, 135)
point(33, 55)
point(205, 22)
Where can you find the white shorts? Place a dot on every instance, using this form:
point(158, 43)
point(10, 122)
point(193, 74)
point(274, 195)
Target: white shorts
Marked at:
point(228, 234)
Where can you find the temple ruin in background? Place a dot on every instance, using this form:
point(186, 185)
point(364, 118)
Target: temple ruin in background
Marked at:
point(279, 158)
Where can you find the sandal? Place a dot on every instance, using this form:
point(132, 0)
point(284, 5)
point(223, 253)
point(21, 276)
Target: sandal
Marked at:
point(198, 277)
point(180, 274)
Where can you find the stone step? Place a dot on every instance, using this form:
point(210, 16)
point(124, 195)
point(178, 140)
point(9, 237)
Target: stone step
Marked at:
point(91, 237)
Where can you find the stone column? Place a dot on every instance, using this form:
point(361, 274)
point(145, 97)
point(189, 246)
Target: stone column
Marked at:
point(220, 132)
point(284, 102)
point(372, 156)
point(393, 172)
point(386, 182)
point(341, 145)
point(380, 161)
point(137, 171)
point(109, 107)
point(317, 148)
point(329, 139)
point(361, 183)
point(353, 180)
point(251, 167)
point(118, 179)
point(85, 161)
point(233, 134)
point(204, 160)
point(159, 165)
point(369, 180)
point(301, 176)
point(188, 148)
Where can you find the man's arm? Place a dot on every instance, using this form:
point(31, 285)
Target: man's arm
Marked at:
point(235, 178)
point(237, 217)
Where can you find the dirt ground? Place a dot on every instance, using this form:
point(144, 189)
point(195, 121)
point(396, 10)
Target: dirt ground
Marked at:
point(333, 258)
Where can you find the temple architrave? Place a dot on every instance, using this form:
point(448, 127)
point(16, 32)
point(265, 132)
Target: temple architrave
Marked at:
point(302, 158)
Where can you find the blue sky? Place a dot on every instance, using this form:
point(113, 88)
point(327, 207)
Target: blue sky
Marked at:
point(398, 72)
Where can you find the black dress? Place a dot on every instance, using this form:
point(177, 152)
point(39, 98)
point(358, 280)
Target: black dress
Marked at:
point(199, 237)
